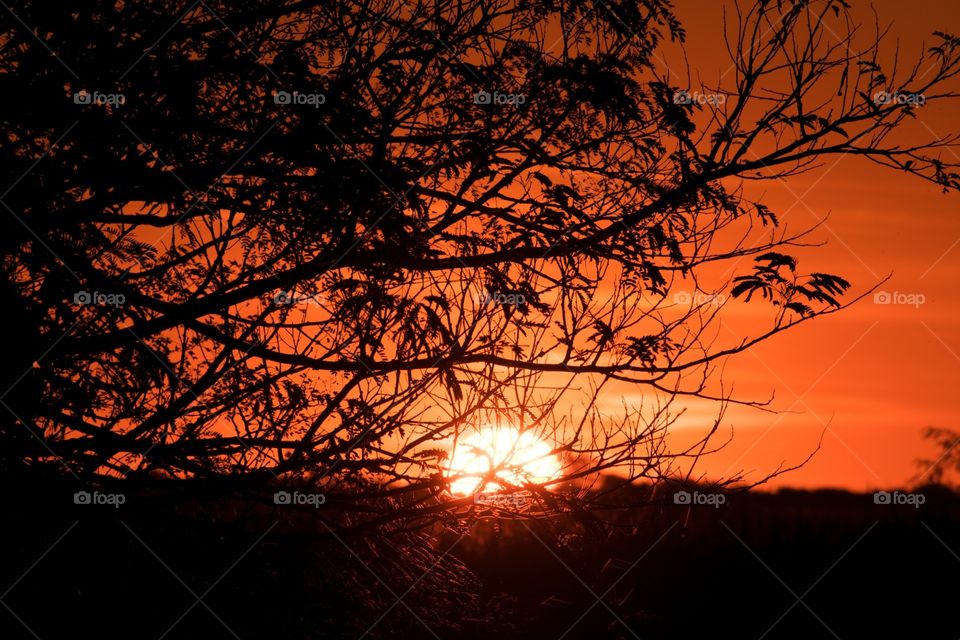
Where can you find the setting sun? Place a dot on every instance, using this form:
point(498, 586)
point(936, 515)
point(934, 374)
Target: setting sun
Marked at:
point(505, 453)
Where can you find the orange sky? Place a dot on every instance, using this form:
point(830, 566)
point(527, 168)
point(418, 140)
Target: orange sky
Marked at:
point(875, 375)
point(868, 379)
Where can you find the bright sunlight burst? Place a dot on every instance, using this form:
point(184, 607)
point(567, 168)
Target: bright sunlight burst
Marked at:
point(504, 453)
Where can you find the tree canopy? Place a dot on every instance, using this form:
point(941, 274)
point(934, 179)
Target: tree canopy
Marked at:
point(320, 241)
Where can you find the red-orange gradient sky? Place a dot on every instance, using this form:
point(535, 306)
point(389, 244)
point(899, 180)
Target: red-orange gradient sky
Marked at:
point(867, 380)
point(870, 378)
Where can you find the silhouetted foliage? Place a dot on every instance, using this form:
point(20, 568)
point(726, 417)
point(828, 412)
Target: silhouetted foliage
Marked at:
point(946, 464)
point(316, 241)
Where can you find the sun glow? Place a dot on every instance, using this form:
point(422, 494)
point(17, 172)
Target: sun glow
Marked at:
point(512, 457)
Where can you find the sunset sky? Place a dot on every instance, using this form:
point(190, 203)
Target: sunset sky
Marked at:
point(869, 379)
point(872, 377)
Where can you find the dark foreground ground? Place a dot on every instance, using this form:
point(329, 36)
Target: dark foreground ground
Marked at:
point(786, 565)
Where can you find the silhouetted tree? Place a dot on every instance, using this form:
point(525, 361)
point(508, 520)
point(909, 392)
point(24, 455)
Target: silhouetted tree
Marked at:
point(319, 240)
point(946, 464)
